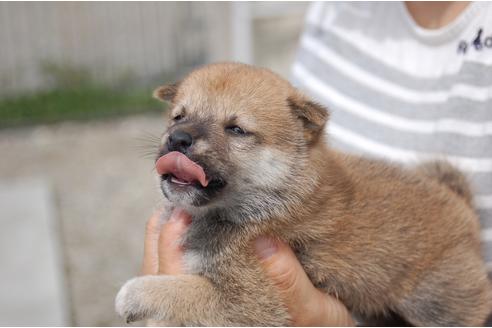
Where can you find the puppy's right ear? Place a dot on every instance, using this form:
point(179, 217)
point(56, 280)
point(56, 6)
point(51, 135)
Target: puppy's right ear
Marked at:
point(312, 115)
point(166, 92)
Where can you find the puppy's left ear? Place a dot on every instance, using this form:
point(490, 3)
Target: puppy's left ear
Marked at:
point(313, 115)
point(166, 92)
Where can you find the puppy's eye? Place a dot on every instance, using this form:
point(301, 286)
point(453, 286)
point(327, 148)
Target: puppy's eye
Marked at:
point(177, 117)
point(234, 129)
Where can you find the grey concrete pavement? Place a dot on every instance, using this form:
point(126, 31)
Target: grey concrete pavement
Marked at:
point(103, 189)
point(31, 279)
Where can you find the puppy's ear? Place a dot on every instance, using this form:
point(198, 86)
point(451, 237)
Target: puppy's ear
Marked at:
point(313, 115)
point(166, 92)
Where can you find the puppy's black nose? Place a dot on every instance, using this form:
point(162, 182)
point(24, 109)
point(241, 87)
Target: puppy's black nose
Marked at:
point(179, 141)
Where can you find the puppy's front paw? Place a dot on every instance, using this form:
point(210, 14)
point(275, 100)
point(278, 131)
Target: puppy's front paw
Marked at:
point(130, 301)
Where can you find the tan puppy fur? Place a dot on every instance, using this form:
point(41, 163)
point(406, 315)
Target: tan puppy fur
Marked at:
point(387, 241)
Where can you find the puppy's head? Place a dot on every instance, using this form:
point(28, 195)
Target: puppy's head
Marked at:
point(239, 137)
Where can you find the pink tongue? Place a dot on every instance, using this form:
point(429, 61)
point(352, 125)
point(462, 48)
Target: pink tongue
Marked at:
point(181, 167)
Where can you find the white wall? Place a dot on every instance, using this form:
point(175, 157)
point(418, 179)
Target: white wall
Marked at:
point(111, 39)
point(147, 40)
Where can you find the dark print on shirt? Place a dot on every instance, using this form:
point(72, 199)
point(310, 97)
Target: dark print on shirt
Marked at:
point(479, 42)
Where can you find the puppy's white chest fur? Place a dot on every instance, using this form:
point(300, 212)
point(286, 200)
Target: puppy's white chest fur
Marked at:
point(193, 262)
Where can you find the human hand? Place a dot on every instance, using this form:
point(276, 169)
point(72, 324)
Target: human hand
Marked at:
point(307, 305)
point(162, 250)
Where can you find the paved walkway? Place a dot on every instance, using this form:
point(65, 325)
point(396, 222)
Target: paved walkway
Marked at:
point(31, 278)
point(92, 183)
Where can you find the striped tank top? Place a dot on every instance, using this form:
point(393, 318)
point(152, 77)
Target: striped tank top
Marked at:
point(404, 93)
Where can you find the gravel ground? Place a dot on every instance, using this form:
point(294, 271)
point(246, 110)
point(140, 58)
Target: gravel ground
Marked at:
point(104, 189)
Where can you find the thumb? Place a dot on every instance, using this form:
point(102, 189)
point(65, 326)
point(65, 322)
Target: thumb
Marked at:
point(282, 266)
point(306, 304)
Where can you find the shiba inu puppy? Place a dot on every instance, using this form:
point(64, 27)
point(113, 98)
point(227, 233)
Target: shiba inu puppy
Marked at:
point(245, 155)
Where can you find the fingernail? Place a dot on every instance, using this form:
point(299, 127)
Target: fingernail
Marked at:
point(265, 247)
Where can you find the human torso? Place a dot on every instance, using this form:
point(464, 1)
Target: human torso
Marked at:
point(402, 93)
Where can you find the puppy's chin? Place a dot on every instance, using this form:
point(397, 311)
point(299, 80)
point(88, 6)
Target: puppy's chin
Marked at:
point(190, 195)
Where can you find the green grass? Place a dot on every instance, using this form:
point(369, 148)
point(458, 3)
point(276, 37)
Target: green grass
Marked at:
point(85, 102)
